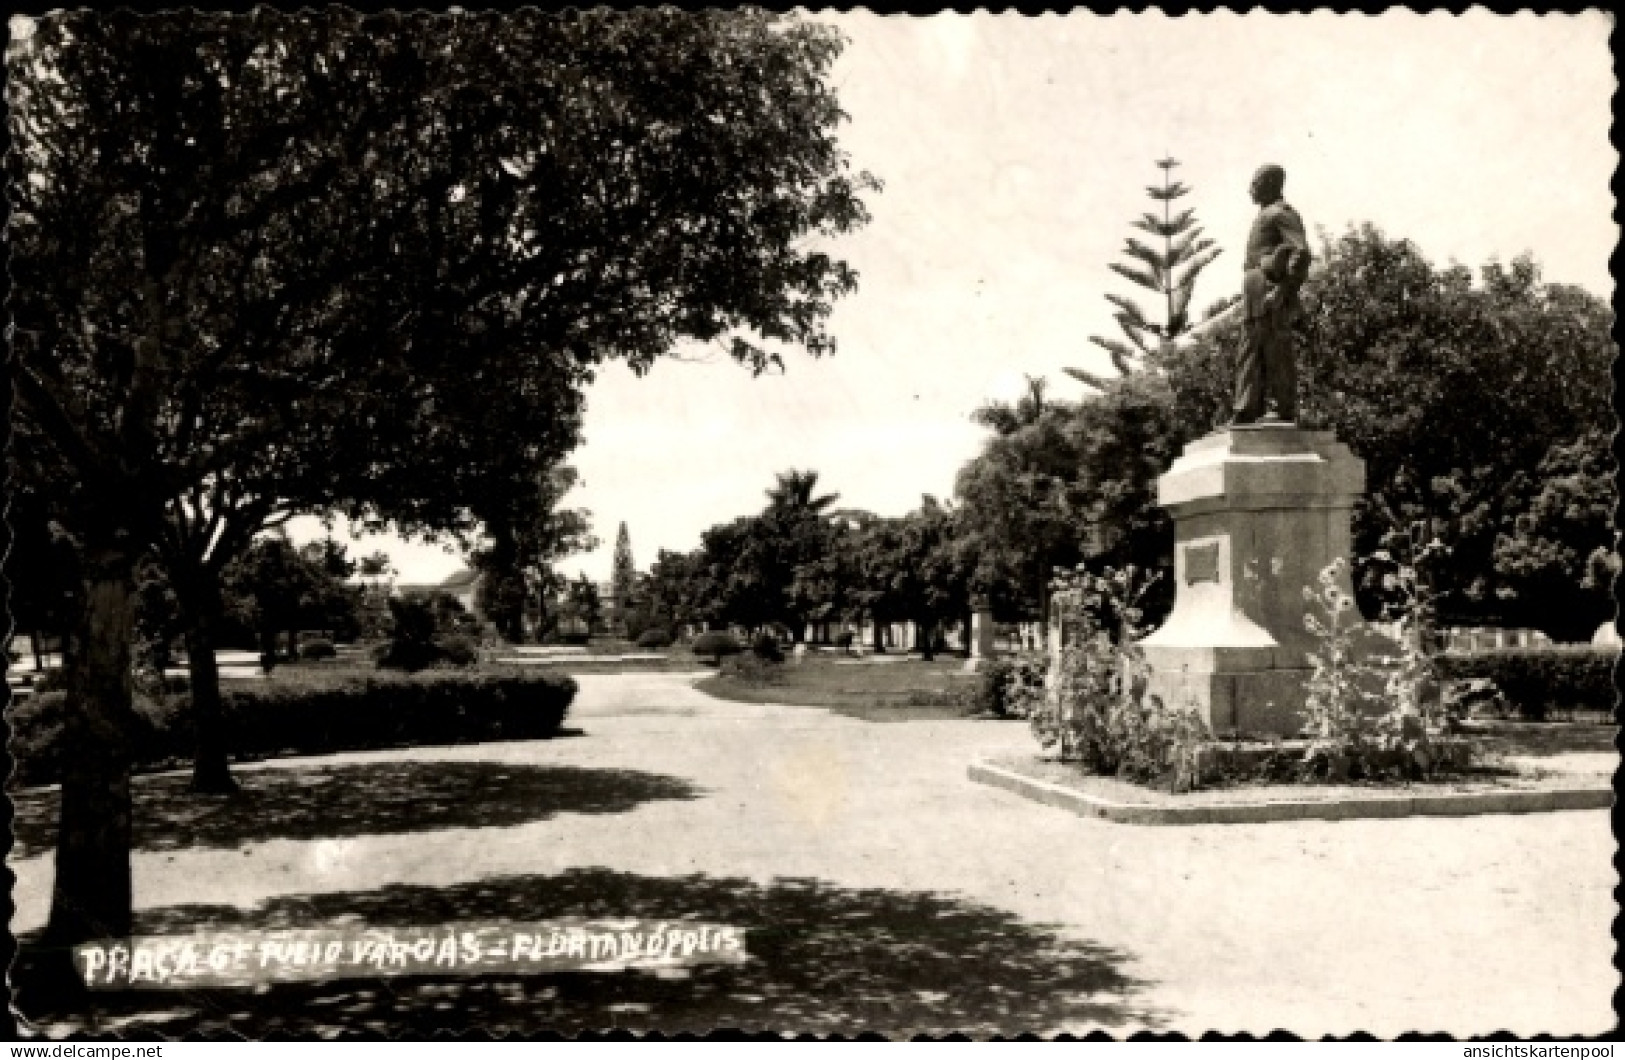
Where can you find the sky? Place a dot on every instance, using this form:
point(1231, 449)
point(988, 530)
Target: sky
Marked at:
point(1014, 152)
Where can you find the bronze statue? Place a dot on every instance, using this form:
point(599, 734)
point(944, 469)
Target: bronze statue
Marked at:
point(1277, 262)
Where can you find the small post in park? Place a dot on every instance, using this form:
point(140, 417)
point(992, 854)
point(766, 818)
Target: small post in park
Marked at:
point(1260, 508)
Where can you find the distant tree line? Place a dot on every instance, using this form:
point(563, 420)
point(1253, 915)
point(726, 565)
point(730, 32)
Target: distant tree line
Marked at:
point(800, 561)
point(1480, 404)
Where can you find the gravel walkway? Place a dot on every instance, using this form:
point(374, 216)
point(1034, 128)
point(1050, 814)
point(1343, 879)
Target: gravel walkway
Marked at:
point(969, 908)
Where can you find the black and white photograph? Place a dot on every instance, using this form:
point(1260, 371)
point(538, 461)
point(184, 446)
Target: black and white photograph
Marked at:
point(839, 524)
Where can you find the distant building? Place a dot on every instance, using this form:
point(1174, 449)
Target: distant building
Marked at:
point(1484, 638)
point(461, 585)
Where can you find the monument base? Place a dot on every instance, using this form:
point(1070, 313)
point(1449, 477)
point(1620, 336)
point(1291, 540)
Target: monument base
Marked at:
point(1233, 697)
point(1259, 512)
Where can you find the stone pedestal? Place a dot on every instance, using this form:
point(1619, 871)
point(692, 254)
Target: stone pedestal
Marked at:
point(981, 634)
point(980, 640)
point(1259, 511)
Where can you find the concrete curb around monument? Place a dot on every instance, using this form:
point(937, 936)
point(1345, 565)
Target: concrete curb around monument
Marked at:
point(1457, 804)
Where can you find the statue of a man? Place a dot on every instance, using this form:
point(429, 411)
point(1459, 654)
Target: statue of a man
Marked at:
point(1277, 262)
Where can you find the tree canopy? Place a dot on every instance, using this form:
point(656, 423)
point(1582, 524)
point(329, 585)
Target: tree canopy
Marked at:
point(1479, 404)
point(1464, 398)
point(524, 538)
point(1019, 502)
point(801, 561)
point(275, 263)
point(518, 198)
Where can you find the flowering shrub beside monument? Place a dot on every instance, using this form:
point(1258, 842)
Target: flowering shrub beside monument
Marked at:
point(1092, 706)
point(1371, 711)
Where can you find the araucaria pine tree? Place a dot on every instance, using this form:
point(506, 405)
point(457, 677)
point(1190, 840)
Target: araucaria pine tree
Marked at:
point(1170, 272)
point(623, 576)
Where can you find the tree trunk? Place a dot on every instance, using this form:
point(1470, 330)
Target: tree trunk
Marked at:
point(1043, 615)
point(211, 768)
point(199, 594)
point(925, 636)
point(293, 645)
point(34, 646)
point(879, 637)
point(510, 628)
point(90, 897)
point(91, 893)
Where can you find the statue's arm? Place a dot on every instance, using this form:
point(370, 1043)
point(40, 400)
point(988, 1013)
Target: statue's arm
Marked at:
point(1289, 227)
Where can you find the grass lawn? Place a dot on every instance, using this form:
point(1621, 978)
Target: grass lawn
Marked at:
point(911, 690)
point(596, 646)
point(362, 664)
point(676, 661)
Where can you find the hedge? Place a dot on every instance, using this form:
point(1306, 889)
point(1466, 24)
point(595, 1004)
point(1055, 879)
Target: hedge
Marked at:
point(317, 649)
point(716, 644)
point(317, 716)
point(654, 637)
point(1538, 680)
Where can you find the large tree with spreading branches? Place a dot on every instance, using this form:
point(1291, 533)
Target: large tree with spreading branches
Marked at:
point(275, 263)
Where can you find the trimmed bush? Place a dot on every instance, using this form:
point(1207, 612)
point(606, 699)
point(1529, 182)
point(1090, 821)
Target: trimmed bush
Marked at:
point(36, 737)
point(638, 622)
point(753, 669)
point(766, 647)
point(654, 637)
point(427, 633)
point(313, 716)
point(459, 651)
point(716, 644)
point(149, 685)
point(412, 636)
point(1538, 680)
point(998, 681)
point(317, 649)
point(36, 734)
point(52, 680)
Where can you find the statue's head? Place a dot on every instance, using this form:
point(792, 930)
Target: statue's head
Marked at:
point(1267, 184)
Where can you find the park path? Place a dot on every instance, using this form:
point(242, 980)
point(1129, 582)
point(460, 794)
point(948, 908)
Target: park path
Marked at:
point(1461, 925)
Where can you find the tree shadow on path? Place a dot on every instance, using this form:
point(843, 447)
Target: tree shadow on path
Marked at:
point(822, 960)
point(372, 798)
